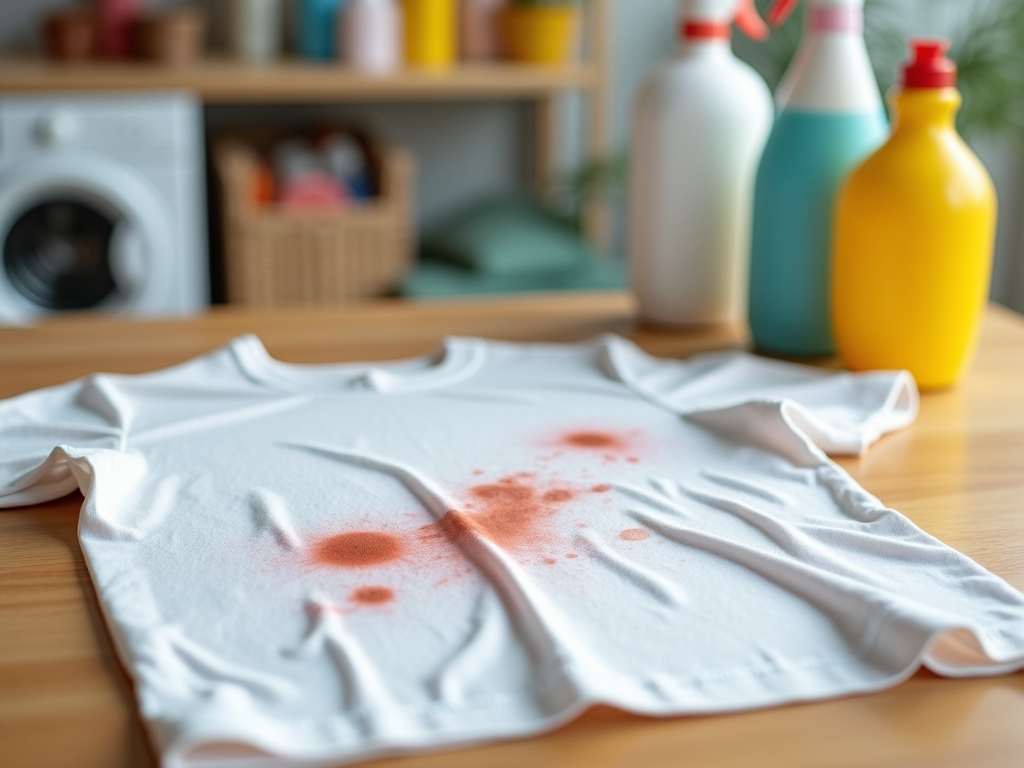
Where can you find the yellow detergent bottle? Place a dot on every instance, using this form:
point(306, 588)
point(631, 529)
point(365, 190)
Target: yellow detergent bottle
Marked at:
point(914, 228)
point(430, 38)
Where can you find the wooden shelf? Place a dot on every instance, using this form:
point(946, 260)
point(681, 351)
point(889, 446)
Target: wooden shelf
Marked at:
point(226, 81)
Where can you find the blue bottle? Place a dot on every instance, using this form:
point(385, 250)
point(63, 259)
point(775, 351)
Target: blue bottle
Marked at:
point(830, 118)
point(317, 23)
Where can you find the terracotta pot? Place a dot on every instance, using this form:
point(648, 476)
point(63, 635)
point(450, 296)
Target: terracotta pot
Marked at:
point(540, 34)
point(71, 35)
point(173, 37)
point(115, 20)
point(478, 29)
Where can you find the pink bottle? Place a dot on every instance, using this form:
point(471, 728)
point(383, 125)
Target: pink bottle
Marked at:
point(478, 29)
point(115, 26)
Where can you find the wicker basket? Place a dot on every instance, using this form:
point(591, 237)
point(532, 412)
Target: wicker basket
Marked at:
point(275, 258)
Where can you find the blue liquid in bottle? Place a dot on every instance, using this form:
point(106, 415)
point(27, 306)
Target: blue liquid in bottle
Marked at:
point(807, 156)
point(317, 24)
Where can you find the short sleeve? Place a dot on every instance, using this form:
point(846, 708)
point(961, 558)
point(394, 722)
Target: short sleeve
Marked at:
point(841, 412)
point(81, 414)
point(41, 431)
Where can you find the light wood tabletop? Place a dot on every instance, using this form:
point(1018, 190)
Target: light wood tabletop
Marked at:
point(958, 472)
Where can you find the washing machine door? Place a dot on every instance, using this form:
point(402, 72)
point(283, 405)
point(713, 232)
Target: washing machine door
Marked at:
point(80, 231)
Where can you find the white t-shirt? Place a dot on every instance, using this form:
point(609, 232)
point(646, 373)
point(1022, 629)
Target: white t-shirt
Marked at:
point(313, 564)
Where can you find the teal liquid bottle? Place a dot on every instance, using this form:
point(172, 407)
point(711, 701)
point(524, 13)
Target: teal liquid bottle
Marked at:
point(831, 117)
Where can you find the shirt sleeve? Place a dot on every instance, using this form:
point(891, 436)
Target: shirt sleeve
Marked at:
point(842, 413)
point(37, 428)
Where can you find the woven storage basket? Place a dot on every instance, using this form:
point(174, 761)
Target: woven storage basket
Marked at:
point(275, 258)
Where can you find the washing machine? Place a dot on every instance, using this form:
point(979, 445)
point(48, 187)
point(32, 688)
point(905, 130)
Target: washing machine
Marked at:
point(102, 205)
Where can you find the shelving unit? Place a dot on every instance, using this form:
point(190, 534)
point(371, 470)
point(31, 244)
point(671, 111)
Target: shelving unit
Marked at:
point(224, 81)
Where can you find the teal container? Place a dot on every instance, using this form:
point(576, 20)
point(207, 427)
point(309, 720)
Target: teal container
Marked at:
point(806, 158)
point(317, 26)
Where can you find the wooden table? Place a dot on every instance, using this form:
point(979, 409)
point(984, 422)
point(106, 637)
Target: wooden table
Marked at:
point(958, 473)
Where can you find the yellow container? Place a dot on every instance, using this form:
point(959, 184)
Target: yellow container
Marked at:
point(540, 34)
point(430, 33)
point(913, 237)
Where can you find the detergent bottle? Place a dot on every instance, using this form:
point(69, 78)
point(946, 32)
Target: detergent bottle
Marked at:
point(699, 125)
point(913, 240)
point(830, 117)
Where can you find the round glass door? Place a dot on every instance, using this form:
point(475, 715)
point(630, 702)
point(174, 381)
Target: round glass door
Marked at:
point(57, 254)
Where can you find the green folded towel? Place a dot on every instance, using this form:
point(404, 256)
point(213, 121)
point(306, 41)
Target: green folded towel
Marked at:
point(506, 236)
point(433, 279)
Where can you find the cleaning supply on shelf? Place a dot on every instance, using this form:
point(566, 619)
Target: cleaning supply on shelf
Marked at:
point(370, 35)
point(316, 27)
point(914, 231)
point(540, 33)
point(171, 37)
point(429, 33)
point(70, 34)
point(830, 117)
point(254, 30)
point(699, 126)
point(478, 29)
point(115, 21)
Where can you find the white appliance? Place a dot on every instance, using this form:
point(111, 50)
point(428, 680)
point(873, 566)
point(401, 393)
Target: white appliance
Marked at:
point(102, 205)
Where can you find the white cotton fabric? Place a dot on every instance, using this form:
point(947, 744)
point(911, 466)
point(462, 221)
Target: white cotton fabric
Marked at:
point(710, 558)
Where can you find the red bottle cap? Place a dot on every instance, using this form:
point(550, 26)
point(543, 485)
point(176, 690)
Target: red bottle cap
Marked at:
point(930, 68)
point(704, 30)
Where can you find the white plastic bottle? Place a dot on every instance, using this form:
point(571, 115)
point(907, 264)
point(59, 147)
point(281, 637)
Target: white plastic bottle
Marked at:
point(370, 33)
point(699, 125)
point(255, 30)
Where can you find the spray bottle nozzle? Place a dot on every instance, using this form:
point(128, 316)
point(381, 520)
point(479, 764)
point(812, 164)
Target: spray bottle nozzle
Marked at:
point(750, 21)
point(780, 11)
point(705, 19)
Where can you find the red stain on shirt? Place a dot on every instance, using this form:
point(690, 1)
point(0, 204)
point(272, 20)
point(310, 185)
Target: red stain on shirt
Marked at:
point(558, 495)
point(512, 513)
point(593, 440)
point(634, 534)
point(357, 549)
point(372, 595)
point(603, 488)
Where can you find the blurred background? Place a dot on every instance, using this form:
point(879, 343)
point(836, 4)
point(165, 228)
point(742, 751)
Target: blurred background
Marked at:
point(453, 146)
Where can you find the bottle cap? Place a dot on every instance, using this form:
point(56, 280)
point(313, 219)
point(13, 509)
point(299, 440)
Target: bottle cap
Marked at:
point(824, 16)
point(710, 19)
point(929, 68)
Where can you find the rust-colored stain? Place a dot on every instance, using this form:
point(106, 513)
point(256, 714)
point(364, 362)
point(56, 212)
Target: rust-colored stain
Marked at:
point(557, 496)
point(357, 549)
point(634, 534)
point(512, 513)
point(603, 488)
point(593, 440)
point(372, 595)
